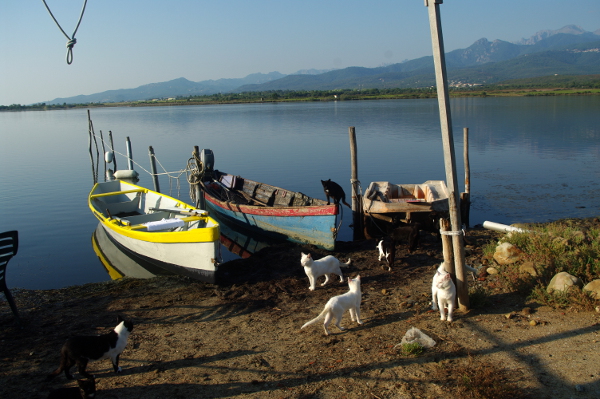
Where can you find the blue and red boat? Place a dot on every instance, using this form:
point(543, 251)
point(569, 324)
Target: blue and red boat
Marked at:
point(270, 210)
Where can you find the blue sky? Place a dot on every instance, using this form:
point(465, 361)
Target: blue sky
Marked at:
point(128, 43)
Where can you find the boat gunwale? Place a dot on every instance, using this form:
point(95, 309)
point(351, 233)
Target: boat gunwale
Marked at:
point(207, 234)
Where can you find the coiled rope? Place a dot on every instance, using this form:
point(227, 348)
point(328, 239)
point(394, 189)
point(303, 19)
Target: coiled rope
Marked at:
point(71, 40)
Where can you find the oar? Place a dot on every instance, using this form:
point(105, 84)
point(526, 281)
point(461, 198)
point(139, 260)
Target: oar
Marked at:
point(184, 211)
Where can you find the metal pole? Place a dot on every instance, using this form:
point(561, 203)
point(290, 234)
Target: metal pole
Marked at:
point(448, 144)
point(153, 167)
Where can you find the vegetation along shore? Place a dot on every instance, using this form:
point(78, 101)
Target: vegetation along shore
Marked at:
point(562, 85)
point(242, 337)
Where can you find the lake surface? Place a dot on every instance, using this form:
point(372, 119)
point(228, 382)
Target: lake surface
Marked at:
point(532, 160)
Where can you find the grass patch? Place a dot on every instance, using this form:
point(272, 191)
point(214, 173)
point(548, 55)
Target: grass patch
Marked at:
point(571, 246)
point(478, 380)
point(413, 349)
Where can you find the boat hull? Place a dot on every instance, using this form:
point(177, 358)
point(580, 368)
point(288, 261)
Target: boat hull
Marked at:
point(158, 228)
point(406, 199)
point(195, 260)
point(312, 224)
point(294, 225)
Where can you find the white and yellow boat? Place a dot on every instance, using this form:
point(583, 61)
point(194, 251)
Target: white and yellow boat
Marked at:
point(159, 228)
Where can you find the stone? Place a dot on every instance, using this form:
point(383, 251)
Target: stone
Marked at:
point(562, 282)
point(594, 287)
point(532, 323)
point(491, 270)
point(529, 268)
point(506, 254)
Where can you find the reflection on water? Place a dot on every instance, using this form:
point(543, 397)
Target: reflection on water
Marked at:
point(239, 243)
point(119, 262)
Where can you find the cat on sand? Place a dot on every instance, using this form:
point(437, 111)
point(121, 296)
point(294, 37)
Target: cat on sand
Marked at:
point(321, 267)
point(443, 293)
point(81, 349)
point(336, 306)
point(387, 251)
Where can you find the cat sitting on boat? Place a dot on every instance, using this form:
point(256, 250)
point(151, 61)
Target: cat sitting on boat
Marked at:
point(321, 267)
point(335, 191)
point(81, 349)
point(86, 389)
point(336, 306)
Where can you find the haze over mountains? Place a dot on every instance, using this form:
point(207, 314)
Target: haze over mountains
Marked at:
point(566, 51)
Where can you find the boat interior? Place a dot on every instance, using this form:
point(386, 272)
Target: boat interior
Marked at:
point(241, 191)
point(388, 192)
point(130, 208)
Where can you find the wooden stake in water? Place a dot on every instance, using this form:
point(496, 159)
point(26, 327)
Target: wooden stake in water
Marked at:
point(357, 213)
point(129, 154)
point(112, 149)
point(153, 167)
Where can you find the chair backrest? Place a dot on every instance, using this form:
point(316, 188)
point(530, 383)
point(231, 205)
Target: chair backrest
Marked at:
point(9, 245)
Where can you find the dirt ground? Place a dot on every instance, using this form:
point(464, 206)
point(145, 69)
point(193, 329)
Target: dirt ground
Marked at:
point(242, 339)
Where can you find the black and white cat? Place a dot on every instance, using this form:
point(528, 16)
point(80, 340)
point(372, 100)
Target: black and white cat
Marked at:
point(81, 349)
point(336, 306)
point(86, 390)
point(335, 191)
point(443, 293)
point(387, 251)
point(321, 267)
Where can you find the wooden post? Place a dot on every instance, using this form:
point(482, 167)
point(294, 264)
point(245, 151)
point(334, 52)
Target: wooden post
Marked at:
point(357, 211)
point(448, 144)
point(447, 247)
point(465, 198)
point(112, 149)
point(90, 133)
point(129, 154)
point(103, 152)
point(199, 197)
point(153, 168)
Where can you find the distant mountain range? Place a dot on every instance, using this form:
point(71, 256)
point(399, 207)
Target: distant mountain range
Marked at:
point(567, 51)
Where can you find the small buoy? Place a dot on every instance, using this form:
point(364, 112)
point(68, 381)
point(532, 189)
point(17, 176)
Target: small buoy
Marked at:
point(108, 156)
point(126, 174)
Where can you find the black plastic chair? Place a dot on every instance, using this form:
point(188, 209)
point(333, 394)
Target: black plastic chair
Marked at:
point(9, 245)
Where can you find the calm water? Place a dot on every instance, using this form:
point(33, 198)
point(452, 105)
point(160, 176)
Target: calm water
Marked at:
point(532, 159)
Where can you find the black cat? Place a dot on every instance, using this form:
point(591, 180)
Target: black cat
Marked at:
point(86, 390)
point(81, 349)
point(335, 191)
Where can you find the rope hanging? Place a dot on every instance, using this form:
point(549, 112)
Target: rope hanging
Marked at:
point(71, 40)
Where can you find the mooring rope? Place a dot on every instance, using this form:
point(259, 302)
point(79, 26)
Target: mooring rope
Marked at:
point(71, 40)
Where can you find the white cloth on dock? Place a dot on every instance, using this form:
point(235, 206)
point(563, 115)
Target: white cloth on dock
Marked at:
point(164, 224)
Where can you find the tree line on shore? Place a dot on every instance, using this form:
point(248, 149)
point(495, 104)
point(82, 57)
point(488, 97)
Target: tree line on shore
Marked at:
point(545, 86)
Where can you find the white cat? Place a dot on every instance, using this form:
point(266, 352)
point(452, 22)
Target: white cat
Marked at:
point(324, 266)
point(337, 305)
point(443, 293)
